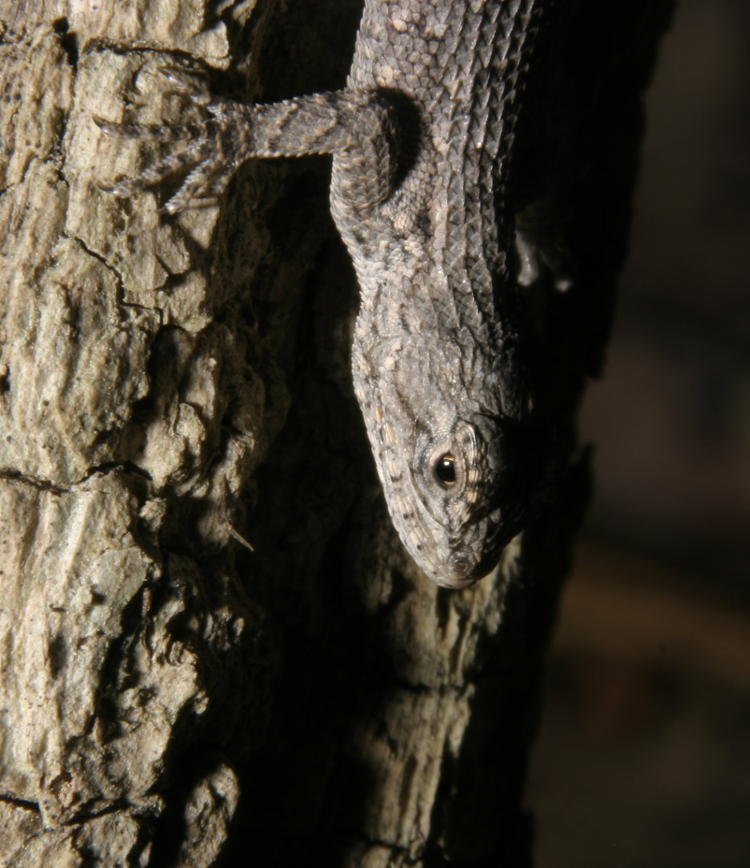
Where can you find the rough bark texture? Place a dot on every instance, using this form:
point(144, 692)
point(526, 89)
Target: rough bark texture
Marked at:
point(171, 387)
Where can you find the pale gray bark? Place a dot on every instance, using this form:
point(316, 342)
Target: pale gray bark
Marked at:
point(117, 382)
point(171, 387)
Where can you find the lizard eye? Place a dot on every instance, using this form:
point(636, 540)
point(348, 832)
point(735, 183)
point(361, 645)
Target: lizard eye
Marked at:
point(445, 470)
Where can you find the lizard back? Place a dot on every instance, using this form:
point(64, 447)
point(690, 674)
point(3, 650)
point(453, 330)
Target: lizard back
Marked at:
point(435, 347)
point(459, 63)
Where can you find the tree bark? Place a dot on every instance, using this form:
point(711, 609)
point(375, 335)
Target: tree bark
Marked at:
point(172, 388)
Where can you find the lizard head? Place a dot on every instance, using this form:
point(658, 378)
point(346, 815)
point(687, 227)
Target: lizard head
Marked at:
point(449, 458)
point(467, 498)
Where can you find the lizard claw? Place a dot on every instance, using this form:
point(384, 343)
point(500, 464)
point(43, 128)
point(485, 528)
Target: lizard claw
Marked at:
point(187, 83)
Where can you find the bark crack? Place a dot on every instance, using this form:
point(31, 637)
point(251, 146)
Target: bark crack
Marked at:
point(32, 481)
point(17, 802)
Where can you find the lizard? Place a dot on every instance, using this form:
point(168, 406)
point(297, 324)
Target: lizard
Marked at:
point(422, 138)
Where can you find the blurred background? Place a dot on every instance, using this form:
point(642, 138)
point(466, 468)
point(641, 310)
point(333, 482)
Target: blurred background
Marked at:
point(643, 759)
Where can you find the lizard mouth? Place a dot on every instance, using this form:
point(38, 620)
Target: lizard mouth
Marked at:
point(455, 584)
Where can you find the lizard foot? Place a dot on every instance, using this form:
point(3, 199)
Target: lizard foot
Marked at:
point(205, 150)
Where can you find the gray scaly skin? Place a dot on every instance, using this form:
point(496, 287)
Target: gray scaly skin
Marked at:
point(422, 139)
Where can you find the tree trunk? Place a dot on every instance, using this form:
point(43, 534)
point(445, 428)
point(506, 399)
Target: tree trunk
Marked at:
point(171, 388)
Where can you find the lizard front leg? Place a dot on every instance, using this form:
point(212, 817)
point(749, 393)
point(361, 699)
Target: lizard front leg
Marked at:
point(357, 125)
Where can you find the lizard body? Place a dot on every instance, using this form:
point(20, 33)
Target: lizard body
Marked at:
point(422, 143)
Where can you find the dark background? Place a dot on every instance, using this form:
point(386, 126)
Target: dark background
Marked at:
point(644, 753)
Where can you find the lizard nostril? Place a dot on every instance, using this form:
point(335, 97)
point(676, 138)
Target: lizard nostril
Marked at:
point(461, 566)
